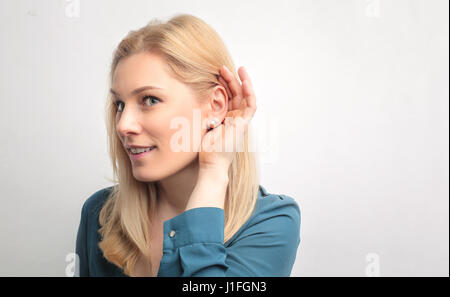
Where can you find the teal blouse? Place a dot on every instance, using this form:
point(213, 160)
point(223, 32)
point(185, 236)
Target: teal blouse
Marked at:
point(265, 245)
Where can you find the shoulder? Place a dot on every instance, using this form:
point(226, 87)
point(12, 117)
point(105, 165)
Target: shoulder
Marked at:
point(271, 205)
point(95, 202)
point(275, 215)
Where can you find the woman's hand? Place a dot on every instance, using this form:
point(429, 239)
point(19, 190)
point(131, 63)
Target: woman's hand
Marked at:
point(241, 108)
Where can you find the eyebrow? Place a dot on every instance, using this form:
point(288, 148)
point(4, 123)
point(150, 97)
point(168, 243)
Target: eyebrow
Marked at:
point(138, 90)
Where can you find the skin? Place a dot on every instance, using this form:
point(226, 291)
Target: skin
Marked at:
point(196, 178)
point(146, 121)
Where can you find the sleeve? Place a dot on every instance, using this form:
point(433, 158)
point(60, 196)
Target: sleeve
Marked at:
point(193, 244)
point(81, 260)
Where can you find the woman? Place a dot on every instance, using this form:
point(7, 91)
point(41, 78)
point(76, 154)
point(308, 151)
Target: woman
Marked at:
point(189, 209)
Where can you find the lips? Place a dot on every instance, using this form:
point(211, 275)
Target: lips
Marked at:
point(142, 155)
point(141, 148)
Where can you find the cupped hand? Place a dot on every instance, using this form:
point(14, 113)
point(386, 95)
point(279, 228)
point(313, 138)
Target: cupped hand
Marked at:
point(218, 144)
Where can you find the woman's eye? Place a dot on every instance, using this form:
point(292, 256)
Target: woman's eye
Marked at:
point(118, 102)
point(150, 97)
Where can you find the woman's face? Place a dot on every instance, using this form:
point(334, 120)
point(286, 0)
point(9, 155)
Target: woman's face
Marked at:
point(144, 117)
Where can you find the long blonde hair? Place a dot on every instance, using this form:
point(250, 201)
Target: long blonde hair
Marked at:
point(194, 53)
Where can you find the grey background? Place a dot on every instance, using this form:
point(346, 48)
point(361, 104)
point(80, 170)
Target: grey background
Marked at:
point(352, 101)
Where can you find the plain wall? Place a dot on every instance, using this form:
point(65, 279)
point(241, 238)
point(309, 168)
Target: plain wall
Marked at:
point(352, 97)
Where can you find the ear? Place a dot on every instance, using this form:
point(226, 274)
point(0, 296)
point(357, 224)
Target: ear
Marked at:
point(217, 106)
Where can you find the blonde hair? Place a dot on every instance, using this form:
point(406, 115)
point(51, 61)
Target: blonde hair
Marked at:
point(194, 53)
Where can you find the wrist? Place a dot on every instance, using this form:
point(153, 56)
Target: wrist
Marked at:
point(210, 190)
point(214, 174)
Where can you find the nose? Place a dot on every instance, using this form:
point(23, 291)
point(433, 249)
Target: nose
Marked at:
point(128, 123)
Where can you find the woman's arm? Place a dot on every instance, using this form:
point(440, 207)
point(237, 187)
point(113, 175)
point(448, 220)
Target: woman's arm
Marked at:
point(266, 246)
point(210, 189)
point(193, 241)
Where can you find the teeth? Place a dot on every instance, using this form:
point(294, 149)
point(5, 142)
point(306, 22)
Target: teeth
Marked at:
point(140, 150)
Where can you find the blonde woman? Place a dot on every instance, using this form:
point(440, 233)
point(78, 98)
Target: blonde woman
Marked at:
point(180, 206)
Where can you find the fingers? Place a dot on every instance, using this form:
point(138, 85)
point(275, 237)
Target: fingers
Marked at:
point(234, 85)
point(243, 75)
point(244, 95)
point(248, 93)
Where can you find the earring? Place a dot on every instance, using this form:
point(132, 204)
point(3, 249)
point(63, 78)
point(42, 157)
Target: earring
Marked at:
point(212, 123)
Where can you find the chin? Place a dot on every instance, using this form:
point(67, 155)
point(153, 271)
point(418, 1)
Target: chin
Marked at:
point(146, 177)
point(146, 173)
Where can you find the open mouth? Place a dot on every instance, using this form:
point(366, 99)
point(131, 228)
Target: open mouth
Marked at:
point(137, 153)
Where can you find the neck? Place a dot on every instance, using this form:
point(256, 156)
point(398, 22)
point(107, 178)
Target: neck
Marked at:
point(175, 190)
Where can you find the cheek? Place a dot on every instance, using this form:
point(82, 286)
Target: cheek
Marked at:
point(185, 127)
point(185, 123)
point(157, 129)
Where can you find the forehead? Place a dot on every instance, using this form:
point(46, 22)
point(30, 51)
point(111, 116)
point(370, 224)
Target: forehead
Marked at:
point(139, 70)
